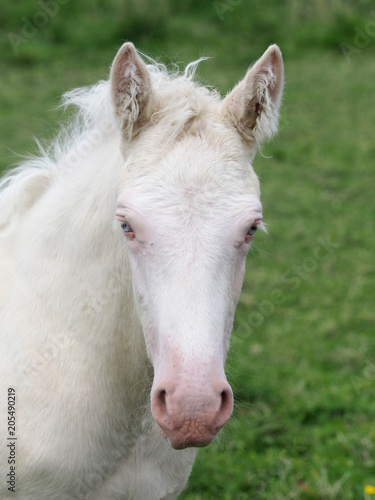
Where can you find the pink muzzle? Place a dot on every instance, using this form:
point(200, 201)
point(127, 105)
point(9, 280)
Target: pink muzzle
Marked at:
point(190, 409)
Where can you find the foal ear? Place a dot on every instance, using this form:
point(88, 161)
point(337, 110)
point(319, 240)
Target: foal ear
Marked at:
point(131, 89)
point(253, 105)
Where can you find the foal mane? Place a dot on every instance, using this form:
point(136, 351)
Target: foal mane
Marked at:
point(179, 98)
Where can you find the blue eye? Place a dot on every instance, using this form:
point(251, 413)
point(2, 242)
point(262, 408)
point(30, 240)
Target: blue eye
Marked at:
point(252, 230)
point(126, 228)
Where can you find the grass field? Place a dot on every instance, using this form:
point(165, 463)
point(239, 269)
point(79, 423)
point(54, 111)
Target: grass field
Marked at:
point(302, 362)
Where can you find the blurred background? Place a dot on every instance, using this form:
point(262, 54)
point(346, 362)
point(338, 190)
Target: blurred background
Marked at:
point(302, 361)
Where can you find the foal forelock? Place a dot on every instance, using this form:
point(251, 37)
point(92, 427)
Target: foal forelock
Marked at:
point(178, 100)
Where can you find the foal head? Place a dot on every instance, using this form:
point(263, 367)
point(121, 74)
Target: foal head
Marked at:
point(189, 207)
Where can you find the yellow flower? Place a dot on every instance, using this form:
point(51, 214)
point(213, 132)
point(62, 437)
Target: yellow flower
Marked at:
point(369, 489)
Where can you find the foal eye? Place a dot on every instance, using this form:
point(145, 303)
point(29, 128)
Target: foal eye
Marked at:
point(126, 228)
point(252, 230)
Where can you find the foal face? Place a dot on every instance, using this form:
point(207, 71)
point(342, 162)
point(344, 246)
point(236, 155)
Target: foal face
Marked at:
point(189, 208)
point(188, 222)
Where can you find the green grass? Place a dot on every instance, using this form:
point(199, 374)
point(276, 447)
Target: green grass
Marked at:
point(302, 362)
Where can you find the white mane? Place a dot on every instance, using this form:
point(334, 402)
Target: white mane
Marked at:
point(179, 99)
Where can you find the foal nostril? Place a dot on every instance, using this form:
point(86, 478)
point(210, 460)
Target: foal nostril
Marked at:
point(224, 398)
point(226, 407)
point(159, 405)
point(160, 396)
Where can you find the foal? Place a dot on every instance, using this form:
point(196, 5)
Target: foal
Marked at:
point(122, 253)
